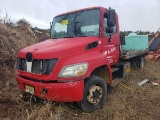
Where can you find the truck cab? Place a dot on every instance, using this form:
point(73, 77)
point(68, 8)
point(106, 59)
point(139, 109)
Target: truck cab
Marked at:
point(74, 65)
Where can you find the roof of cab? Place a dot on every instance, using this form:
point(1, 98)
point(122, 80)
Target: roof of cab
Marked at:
point(89, 8)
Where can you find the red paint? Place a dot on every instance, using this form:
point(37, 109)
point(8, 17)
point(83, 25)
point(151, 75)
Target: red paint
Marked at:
point(70, 51)
point(64, 92)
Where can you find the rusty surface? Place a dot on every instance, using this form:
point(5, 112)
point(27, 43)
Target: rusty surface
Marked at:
point(154, 55)
point(156, 35)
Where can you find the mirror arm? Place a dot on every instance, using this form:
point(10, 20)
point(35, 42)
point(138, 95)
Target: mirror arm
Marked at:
point(110, 37)
point(50, 29)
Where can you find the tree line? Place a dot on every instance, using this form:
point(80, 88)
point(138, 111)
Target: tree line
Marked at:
point(137, 32)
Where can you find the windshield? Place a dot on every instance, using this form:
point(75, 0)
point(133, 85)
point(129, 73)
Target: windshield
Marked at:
point(77, 24)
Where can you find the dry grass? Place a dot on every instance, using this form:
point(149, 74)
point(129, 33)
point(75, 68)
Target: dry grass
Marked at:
point(140, 103)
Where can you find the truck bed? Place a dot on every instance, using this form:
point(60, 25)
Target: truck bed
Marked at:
point(131, 54)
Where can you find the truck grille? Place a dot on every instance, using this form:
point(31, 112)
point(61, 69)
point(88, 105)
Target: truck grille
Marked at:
point(38, 66)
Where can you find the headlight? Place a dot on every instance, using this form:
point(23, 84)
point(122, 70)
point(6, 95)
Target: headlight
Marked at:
point(74, 70)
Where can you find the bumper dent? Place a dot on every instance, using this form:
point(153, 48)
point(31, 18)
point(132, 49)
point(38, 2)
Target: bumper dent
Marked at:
point(63, 92)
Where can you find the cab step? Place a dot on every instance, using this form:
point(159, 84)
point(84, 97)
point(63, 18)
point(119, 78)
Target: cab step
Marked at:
point(120, 70)
point(114, 69)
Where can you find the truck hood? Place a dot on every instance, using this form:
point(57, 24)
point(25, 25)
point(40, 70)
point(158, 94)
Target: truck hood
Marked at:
point(55, 48)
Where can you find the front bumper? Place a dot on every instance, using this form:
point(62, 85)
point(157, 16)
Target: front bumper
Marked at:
point(63, 92)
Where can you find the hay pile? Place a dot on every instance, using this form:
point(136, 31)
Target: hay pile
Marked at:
point(12, 39)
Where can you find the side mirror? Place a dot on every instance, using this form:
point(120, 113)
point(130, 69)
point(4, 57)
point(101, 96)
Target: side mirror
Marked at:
point(122, 39)
point(109, 30)
point(111, 17)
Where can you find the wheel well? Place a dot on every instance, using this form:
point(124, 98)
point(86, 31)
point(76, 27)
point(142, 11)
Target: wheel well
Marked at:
point(102, 72)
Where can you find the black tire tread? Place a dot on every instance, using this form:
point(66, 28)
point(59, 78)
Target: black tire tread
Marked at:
point(83, 104)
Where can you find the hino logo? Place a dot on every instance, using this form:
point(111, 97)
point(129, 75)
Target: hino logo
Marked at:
point(29, 57)
point(29, 61)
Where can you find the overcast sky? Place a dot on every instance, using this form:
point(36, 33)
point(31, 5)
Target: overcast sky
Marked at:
point(133, 14)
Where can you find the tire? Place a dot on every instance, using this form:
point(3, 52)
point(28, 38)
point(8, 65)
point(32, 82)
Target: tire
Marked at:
point(95, 94)
point(140, 62)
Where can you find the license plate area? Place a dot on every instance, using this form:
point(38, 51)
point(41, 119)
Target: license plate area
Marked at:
point(30, 89)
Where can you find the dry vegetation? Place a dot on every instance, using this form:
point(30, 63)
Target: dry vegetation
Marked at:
point(124, 103)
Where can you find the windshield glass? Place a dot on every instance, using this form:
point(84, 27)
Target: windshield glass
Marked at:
point(77, 24)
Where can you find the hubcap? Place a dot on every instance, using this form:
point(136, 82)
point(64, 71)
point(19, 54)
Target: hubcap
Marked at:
point(94, 94)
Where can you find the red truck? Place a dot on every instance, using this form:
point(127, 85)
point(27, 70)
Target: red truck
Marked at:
point(80, 60)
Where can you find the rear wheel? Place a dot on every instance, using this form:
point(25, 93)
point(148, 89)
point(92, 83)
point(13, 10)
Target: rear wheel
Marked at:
point(140, 62)
point(95, 93)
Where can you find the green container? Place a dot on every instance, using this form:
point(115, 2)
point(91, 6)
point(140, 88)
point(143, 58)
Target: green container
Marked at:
point(135, 42)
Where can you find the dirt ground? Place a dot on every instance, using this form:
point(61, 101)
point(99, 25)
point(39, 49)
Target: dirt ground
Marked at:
point(126, 101)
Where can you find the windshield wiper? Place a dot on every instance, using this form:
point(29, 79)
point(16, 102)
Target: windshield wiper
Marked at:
point(82, 36)
point(54, 37)
point(69, 36)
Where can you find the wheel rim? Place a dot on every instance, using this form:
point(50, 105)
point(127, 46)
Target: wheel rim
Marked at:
point(94, 94)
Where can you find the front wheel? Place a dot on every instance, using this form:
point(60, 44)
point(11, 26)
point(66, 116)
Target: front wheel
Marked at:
point(95, 93)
